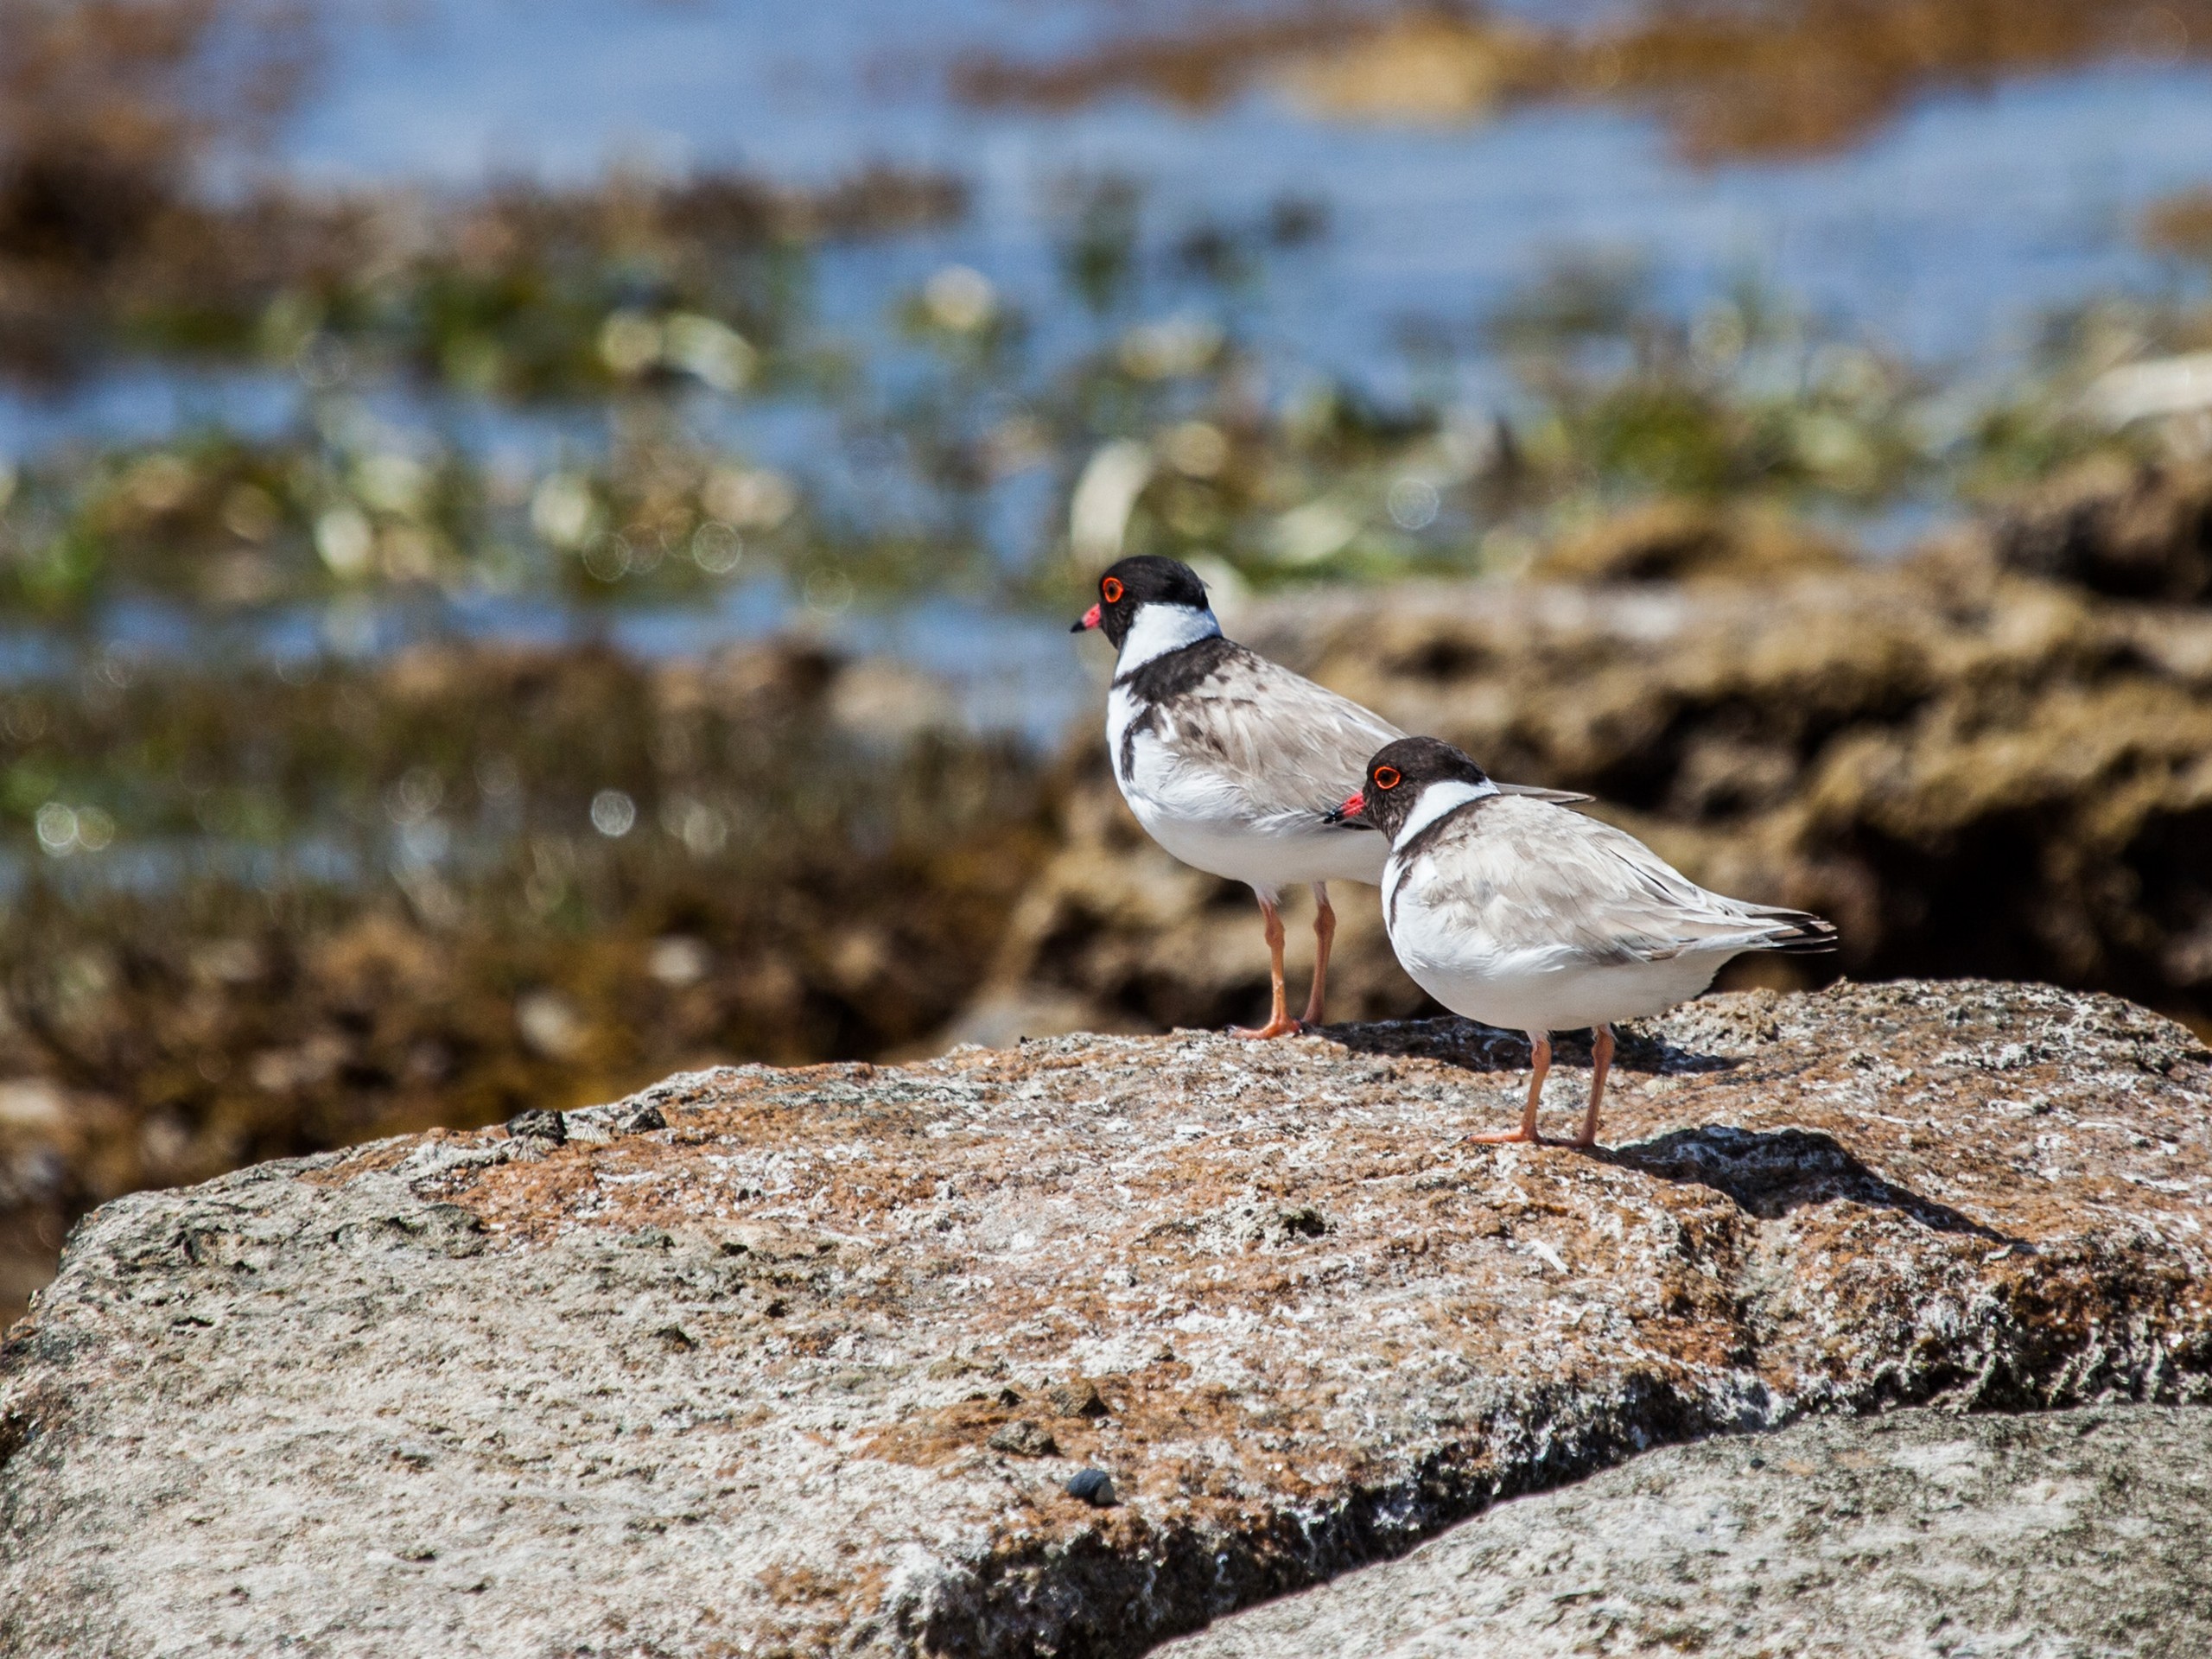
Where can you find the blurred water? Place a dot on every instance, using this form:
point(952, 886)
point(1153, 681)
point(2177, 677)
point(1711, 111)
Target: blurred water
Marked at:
point(1948, 233)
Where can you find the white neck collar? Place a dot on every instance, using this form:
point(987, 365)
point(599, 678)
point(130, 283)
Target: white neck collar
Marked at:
point(1438, 799)
point(1157, 629)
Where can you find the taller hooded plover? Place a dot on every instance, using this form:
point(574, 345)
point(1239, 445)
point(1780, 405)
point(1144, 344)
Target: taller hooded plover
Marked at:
point(1518, 914)
point(1233, 763)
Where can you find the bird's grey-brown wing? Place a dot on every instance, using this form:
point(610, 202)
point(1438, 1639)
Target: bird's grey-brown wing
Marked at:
point(1278, 747)
point(1533, 878)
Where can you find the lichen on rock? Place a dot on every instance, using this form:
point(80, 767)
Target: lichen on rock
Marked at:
point(736, 1383)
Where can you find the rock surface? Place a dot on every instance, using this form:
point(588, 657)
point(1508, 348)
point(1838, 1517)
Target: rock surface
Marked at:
point(736, 1374)
point(1971, 773)
point(1916, 1536)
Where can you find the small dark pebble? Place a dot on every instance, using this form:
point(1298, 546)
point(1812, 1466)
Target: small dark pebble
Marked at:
point(677, 1337)
point(1024, 1440)
point(1759, 1463)
point(641, 1122)
point(776, 1309)
point(1009, 1398)
point(539, 1125)
point(1077, 1399)
point(1094, 1486)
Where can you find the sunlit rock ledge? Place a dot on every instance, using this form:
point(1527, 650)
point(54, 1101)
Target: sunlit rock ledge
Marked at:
point(1922, 1533)
point(805, 1361)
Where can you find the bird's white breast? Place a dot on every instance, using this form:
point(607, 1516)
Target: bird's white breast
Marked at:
point(1196, 812)
point(1162, 786)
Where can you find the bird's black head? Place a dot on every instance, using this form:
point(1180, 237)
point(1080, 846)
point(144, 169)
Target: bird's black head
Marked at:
point(1397, 777)
point(1130, 584)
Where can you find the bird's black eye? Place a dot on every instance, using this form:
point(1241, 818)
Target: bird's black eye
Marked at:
point(1111, 588)
point(1385, 777)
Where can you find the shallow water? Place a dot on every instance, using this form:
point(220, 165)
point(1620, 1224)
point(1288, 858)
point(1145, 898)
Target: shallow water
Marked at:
point(1947, 231)
point(1947, 234)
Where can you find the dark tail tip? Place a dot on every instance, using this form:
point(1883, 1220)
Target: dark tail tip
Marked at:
point(1809, 935)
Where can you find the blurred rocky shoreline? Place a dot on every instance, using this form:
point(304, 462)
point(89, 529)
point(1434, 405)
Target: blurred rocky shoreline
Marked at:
point(469, 880)
point(1074, 1347)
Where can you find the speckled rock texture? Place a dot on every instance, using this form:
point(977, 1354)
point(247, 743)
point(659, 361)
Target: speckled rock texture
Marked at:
point(801, 1361)
point(1921, 1535)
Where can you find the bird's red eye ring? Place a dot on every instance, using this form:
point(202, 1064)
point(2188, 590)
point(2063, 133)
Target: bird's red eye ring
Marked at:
point(1385, 777)
point(1112, 588)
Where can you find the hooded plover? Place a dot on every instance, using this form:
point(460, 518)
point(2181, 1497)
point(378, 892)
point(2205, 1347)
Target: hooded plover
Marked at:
point(1518, 913)
point(1232, 763)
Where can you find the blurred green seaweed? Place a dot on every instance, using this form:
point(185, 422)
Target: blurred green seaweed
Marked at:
point(257, 913)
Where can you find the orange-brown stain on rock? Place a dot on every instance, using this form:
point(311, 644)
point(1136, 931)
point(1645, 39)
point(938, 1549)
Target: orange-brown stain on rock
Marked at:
point(1295, 1286)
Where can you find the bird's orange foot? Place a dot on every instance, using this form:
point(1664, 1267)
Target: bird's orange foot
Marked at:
point(1507, 1137)
point(1283, 1025)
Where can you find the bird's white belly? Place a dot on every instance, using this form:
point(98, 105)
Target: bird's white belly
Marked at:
point(1538, 989)
point(1554, 998)
point(1270, 858)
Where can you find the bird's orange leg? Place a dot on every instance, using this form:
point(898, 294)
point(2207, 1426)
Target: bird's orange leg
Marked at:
point(1325, 931)
point(1601, 1061)
point(1540, 1060)
point(1280, 1024)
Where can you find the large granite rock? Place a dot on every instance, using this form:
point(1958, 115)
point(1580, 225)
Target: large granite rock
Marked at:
point(781, 1362)
point(1923, 1535)
point(1971, 773)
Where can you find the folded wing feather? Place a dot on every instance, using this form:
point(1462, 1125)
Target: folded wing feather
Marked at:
point(1281, 747)
point(1531, 878)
